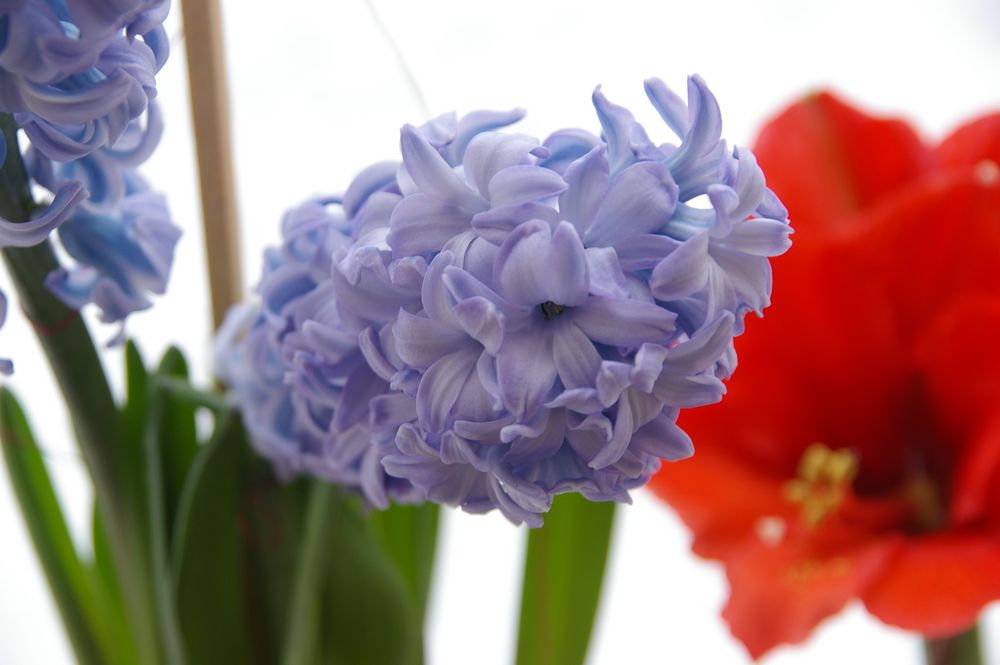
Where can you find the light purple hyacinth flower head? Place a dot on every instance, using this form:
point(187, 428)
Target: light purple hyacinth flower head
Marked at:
point(75, 73)
point(78, 78)
point(540, 311)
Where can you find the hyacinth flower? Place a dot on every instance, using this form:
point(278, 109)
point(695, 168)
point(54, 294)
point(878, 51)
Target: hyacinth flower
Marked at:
point(75, 77)
point(78, 80)
point(533, 314)
point(294, 368)
point(75, 74)
point(858, 454)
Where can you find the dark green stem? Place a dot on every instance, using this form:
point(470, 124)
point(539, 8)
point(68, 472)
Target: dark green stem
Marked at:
point(77, 367)
point(961, 649)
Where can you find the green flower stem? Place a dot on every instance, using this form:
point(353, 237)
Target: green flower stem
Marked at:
point(78, 371)
point(961, 649)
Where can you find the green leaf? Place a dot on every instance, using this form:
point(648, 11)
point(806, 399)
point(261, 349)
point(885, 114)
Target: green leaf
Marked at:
point(106, 576)
point(160, 454)
point(74, 590)
point(177, 436)
point(408, 535)
point(144, 575)
point(563, 574)
point(369, 618)
point(350, 604)
point(234, 550)
point(206, 555)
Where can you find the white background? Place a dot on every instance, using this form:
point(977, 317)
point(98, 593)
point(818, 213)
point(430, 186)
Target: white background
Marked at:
point(318, 92)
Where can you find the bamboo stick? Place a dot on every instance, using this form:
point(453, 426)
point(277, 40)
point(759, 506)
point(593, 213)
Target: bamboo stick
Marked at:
point(210, 112)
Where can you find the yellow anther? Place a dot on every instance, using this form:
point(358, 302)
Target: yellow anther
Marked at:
point(823, 478)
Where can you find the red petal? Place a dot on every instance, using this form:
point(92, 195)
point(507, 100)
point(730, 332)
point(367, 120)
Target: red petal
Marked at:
point(780, 594)
point(971, 143)
point(721, 500)
point(938, 239)
point(960, 357)
point(824, 365)
point(827, 160)
point(976, 488)
point(938, 585)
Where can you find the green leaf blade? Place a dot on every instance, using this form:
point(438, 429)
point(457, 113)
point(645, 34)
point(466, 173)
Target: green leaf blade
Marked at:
point(563, 575)
point(72, 587)
point(408, 535)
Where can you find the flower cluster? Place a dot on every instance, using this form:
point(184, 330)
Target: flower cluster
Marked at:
point(503, 319)
point(78, 77)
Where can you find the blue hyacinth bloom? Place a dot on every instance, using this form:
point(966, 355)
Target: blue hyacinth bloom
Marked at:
point(78, 78)
point(531, 316)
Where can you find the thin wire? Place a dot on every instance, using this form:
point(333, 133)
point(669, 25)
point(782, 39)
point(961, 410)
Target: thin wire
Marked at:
point(404, 68)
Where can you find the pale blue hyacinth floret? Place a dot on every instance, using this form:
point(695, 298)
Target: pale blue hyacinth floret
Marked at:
point(78, 76)
point(501, 320)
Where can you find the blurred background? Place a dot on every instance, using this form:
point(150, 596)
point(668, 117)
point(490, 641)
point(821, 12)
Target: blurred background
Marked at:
point(320, 89)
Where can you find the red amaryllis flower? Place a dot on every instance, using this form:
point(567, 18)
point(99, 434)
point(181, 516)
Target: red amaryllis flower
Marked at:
point(857, 453)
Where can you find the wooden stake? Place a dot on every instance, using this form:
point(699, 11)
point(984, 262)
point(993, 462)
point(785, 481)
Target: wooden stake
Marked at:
point(210, 112)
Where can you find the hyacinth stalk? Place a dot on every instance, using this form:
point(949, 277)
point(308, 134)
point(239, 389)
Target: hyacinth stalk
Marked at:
point(75, 362)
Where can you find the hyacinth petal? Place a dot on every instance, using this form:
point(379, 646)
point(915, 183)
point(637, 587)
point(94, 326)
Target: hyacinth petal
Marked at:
point(528, 496)
point(748, 275)
point(587, 183)
point(760, 237)
point(624, 323)
point(617, 445)
point(116, 304)
point(475, 123)
point(617, 123)
point(565, 146)
point(525, 372)
point(463, 286)
point(482, 321)
point(524, 183)
point(95, 100)
point(440, 387)
point(142, 142)
point(640, 200)
point(682, 272)
point(703, 349)
point(431, 172)
point(704, 127)
point(689, 391)
point(361, 387)
point(496, 224)
point(370, 180)
point(422, 224)
point(576, 359)
point(643, 252)
point(669, 105)
point(606, 276)
point(536, 266)
point(749, 183)
point(544, 445)
point(661, 437)
point(421, 342)
point(27, 234)
point(569, 279)
point(491, 152)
